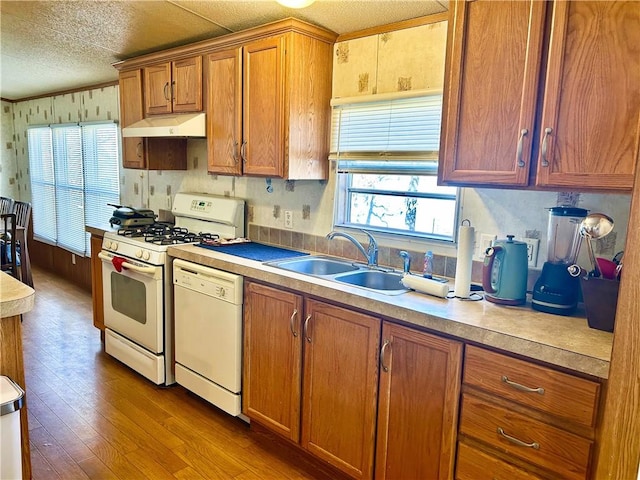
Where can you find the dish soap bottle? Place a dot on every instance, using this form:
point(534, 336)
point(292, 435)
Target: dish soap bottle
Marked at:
point(427, 271)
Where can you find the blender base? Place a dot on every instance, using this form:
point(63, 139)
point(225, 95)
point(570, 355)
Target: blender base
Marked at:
point(555, 290)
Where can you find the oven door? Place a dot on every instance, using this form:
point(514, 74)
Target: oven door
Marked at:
point(133, 300)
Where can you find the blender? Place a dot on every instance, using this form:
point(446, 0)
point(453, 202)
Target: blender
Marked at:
point(556, 291)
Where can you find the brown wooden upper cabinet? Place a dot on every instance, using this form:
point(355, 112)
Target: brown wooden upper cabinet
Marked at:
point(173, 87)
point(145, 153)
point(131, 111)
point(268, 108)
point(580, 132)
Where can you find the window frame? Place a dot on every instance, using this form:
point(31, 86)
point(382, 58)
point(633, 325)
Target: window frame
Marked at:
point(61, 165)
point(421, 159)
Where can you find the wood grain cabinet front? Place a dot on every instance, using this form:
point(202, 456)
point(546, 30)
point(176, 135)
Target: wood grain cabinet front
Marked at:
point(268, 108)
point(418, 404)
point(96, 284)
point(310, 374)
point(527, 416)
point(173, 87)
point(582, 133)
point(145, 153)
point(131, 111)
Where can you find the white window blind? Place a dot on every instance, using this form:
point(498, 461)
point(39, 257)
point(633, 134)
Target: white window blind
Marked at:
point(100, 142)
point(67, 153)
point(43, 184)
point(74, 174)
point(398, 135)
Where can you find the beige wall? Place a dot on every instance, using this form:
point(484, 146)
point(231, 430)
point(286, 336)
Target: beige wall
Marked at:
point(493, 211)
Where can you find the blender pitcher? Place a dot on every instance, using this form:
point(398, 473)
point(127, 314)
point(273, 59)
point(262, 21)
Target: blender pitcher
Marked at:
point(555, 290)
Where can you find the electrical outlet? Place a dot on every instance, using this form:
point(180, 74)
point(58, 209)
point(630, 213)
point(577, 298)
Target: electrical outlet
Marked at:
point(532, 250)
point(486, 240)
point(288, 219)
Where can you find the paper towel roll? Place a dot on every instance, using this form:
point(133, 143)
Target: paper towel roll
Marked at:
point(466, 238)
point(426, 285)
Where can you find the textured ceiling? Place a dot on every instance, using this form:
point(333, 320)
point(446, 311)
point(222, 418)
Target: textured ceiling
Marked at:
point(50, 46)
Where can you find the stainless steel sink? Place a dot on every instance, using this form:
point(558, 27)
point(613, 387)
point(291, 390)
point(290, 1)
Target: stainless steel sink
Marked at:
point(316, 266)
point(375, 280)
point(344, 271)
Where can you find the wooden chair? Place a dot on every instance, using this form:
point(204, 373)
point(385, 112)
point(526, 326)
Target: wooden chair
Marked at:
point(8, 250)
point(22, 211)
point(6, 205)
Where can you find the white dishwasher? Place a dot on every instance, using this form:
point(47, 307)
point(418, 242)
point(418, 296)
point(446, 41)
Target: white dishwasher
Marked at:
point(208, 333)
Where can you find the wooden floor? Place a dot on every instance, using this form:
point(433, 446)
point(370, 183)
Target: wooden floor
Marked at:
point(92, 417)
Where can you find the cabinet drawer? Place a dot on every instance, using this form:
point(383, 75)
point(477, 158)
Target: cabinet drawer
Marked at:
point(474, 464)
point(536, 442)
point(542, 388)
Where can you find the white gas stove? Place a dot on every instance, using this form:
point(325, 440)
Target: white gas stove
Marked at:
point(137, 279)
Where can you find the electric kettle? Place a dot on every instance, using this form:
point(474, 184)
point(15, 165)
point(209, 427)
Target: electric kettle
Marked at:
point(504, 273)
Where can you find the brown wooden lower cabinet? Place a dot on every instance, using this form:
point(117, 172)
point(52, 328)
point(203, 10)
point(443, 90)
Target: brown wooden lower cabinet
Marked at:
point(523, 420)
point(96, 283)
point(311, 372)
point(418, 404)
point(333, 415)
point(474, 464)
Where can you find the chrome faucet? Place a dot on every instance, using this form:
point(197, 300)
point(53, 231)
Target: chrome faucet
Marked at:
point(371, 253)
point(406, 258)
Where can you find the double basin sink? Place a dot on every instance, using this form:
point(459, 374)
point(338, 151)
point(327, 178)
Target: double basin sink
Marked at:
point(344, 271)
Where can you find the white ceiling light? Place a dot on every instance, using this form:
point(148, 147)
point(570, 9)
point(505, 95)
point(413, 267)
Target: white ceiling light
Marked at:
point(295, 3)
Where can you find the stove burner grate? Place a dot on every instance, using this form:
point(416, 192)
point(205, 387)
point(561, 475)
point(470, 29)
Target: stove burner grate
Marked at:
point(166, 234)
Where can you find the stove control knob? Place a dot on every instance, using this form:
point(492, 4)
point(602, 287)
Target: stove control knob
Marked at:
point(107, 244)
point(146, 255)
point(139, 254)
point(114, 246)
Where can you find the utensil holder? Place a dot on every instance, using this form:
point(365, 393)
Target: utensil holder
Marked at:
point(600, 298)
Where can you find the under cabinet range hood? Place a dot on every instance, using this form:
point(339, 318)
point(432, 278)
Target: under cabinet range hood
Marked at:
point(177, 125)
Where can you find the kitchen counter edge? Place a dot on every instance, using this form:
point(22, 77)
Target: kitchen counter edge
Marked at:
point(16, 297)
point(565, 342)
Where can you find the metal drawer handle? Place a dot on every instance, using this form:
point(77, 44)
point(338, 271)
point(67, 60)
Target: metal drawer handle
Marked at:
point(523, 133)
point(382, 352)
point(306, 328)
point(522, 388)
point(515, 441)
point(545, 145)
point(293, 315)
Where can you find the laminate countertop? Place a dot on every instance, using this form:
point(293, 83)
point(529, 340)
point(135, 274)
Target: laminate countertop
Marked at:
point(16, 297)
point(565, 342)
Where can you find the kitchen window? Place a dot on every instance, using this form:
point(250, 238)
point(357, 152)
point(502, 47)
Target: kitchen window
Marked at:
point(74, 175)
point(386, 152)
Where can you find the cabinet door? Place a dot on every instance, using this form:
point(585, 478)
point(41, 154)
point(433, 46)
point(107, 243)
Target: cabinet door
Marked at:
point(340, 387)
point(186, 85)
point(224, 112)
point(131, 110)
point(96, 283)
point(418, 406)
point(157, 89)
point(263, 108)
point(490, 97)
point(591, 118)
point(272, 358)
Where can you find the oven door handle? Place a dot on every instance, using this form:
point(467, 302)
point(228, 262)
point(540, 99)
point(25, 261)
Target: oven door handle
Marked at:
point(131, 266)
